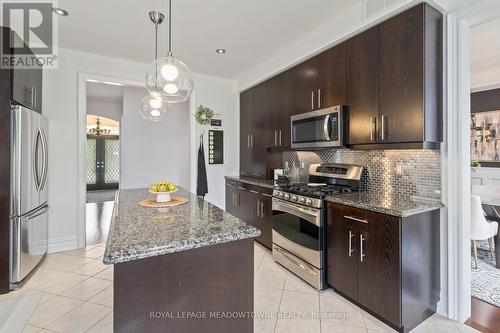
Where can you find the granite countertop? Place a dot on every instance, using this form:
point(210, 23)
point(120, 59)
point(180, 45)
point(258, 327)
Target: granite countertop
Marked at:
point(137, 232)
point(396, 205)
point(269, 183)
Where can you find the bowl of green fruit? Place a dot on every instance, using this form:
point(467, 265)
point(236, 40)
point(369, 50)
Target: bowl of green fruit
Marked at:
point(163, 189)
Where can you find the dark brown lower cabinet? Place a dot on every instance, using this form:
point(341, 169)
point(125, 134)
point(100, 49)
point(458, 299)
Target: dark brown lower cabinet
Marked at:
point(252, 204)
point(387, 265)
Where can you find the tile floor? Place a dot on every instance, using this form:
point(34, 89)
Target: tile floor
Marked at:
point(75, 294)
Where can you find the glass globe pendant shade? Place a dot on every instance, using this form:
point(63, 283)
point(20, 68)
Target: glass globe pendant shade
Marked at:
point(154, 108)
point(170, 79)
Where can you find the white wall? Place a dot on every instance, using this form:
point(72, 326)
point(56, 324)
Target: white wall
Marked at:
point(60, 104)
point(152, 151)
point(111, 110)
point(220, 95)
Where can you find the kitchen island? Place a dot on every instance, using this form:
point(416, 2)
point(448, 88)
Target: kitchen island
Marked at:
point(187, 268)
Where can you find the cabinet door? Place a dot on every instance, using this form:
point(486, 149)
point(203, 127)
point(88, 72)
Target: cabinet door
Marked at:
point(271, 111)
point(306, 84)
point(379, 275)
point(230, 200)
point(266, 215)
point(27, 85)
point(401, 77)
point(258, 129)
point(286, 105)
point(243, 203)
point(342, 259)
point(254, 210)
point(245, 116)
point(362, 77)
point(331, 77)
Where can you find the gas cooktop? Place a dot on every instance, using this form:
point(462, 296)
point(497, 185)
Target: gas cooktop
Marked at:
point(315, 190)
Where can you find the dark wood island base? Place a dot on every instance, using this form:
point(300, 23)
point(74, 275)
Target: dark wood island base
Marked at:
point(163, 293)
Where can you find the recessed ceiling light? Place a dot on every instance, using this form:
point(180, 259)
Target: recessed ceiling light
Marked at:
point(220, 51)
point(60, 11)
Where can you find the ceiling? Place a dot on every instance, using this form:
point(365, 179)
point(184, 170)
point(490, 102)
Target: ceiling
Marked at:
point(104, 92)
point(485, 55)
point(251, 31)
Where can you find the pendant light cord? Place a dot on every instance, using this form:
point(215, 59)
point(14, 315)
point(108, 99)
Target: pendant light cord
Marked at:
point(170, 27)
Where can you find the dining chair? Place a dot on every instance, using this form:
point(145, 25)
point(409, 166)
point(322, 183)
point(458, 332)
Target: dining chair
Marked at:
point(481, 228)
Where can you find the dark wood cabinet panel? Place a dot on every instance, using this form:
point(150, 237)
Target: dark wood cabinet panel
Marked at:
point(306, 85)
point(252, 204)
point(379, 276)
point(331, 77)
point(386, 264)
point(401, 77)
point(342, 266)
point(258, 130)
point(245, 120)
point(286, 105)
point(362, 75)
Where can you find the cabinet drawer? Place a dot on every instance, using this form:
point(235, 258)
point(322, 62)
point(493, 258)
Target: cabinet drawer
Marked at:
point(376, 223)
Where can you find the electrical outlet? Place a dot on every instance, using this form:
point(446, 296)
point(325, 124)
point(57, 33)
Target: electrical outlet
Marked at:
point(399, 168)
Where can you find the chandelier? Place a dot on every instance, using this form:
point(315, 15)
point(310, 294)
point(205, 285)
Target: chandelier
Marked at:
point(97, 130)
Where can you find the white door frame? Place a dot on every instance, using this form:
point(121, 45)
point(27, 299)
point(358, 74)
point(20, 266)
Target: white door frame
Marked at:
point(82, 139)
point(455, 248)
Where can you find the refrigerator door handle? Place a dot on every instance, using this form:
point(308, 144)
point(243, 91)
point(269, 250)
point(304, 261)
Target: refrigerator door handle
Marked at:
point(36, 172)
point(38, 212)
point(45, 160)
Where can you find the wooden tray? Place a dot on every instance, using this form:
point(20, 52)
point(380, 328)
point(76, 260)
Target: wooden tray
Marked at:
point(151, 203)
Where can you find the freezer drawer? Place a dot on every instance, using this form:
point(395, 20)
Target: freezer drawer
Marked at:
point(29, 242)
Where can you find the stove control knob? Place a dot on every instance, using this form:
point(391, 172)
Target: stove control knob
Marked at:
point(295, 198)
point(302, 200)
point(287, 196)
point(309, 202)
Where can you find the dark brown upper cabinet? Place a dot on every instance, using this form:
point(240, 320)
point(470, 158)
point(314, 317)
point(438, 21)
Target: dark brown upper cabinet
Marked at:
point(408, 110)
point(282, 89)
point(362, 84)
point(246, 98)
point(320, 81)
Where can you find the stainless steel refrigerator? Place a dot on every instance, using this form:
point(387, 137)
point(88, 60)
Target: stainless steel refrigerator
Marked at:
point(28, 202)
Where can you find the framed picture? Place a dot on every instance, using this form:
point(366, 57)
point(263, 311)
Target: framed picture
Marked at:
point(485, 137)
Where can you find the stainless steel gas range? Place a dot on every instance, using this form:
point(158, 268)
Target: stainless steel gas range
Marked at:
point(299, 219)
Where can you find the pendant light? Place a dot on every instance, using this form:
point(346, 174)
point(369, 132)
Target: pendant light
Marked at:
point(175, 81)
point(154, 107)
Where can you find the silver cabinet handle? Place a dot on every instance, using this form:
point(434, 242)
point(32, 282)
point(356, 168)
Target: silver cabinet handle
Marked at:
point(36, 171)
point(382, 128)
point(255, 192)
point(320, 95)
point(251, 140)
point(280, 137)
point(262, 209)
point(373, 125)
point(312, 100)
point(275, 137)
point(361, 254)
point(258, 208)
point(33, 96)
point(248, 140)
point(325, 128)
point(241, 188)
point(350, 250)
point(355, 219)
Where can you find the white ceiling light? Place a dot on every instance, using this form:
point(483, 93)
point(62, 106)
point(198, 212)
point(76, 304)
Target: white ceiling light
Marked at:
point(154, 107)
point(175, 82)
point(220, 51)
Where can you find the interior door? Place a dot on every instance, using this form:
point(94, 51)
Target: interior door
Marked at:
point(103, 162)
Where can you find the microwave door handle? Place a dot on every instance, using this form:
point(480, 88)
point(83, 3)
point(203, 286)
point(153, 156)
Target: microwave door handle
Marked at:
point(325, 128)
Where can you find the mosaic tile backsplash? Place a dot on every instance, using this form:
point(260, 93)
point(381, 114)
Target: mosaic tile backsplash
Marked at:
point(420, 176)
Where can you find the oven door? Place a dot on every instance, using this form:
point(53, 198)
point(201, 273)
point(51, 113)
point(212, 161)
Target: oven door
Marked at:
point(298, 229)
point(320, 128)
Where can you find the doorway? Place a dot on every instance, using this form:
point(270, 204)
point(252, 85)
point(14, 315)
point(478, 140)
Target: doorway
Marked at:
point(102, 157)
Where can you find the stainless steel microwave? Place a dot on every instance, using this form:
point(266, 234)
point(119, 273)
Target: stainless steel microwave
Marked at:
point(321, 128)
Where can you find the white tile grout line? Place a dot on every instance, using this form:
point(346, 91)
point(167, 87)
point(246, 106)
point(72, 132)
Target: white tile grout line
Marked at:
point(279, 307)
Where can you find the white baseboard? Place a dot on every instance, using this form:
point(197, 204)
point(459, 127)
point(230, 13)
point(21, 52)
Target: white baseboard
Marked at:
point(62, 244)
point(442, 305)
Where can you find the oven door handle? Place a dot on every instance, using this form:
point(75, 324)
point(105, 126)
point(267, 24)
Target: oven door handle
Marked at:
point(309, 215)
point(290, 257)
point(325, 127)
